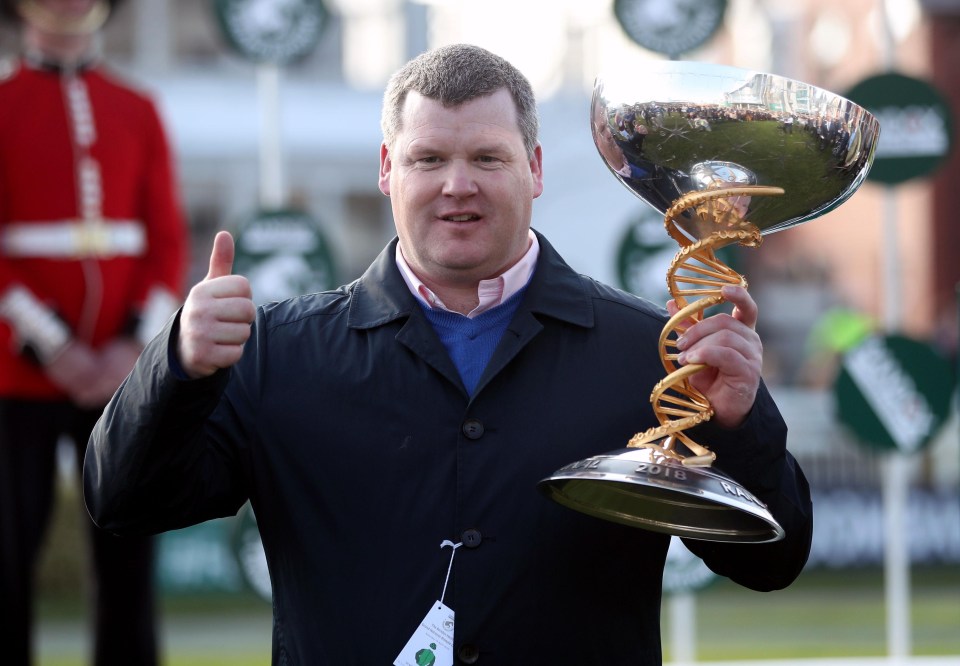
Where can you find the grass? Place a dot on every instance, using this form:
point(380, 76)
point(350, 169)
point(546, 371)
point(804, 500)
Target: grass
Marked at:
point(794, 161)
point(824, 614)
point(185, 660)
point(210, 629)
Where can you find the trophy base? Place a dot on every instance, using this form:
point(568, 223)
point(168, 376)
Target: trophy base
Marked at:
point(640, 488)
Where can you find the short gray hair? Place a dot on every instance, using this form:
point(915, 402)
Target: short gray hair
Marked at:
point(454, 75)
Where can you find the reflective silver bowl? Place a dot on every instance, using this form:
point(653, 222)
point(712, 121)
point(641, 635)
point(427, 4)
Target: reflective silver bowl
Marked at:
point(674, 127)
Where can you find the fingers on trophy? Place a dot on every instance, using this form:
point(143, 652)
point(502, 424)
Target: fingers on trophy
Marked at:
point(727, 155)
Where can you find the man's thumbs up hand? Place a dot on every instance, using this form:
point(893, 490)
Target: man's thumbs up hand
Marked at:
point(216, 317)
point(221, 256)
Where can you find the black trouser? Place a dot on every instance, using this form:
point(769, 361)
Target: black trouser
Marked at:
point(122, 568)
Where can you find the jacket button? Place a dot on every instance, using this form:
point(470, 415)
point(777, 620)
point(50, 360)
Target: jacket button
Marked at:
point(468, 653)
point(472, 429)
point(471, 538)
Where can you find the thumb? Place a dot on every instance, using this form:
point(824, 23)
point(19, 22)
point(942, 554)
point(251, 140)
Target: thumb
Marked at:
point(221, 257)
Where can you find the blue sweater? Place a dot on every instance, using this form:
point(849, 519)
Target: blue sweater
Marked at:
point(470, 342)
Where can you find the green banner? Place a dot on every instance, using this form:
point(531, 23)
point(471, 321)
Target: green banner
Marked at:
point(672, 27)
point(284, 253)
point(916, 132)
point(272, 31)
point(893, 392)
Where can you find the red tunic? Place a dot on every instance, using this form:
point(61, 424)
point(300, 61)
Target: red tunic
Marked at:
point(90, 222)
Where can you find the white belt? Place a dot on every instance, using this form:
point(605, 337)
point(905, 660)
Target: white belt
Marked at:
point(74, 239)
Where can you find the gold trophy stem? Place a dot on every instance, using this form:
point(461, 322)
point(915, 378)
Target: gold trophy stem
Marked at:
point(695, 278)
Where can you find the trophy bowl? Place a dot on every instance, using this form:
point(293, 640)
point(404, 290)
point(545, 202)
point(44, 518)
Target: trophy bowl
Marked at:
point(727, 155)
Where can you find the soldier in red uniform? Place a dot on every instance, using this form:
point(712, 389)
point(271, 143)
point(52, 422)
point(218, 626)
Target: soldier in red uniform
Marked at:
point(92, 257)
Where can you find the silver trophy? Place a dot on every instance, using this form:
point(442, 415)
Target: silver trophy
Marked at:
point(727, 155)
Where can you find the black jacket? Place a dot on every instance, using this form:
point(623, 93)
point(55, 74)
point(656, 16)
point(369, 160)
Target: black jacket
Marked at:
point(346, 425)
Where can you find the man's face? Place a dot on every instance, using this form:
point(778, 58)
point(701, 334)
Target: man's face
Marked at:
point(606, 144)
point(54, 19)
point(462, 188)
point(69, 9)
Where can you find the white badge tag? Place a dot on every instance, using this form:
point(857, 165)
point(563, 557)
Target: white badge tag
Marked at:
point(432, 642)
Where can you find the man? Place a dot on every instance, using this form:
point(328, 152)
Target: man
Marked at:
point(419, 406)
point(92, 246)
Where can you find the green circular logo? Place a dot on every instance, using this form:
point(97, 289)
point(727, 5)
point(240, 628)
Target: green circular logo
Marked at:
point(283, 254)
point(893, 392)
point(916, 132)
point(272, 31)
point(673, 27)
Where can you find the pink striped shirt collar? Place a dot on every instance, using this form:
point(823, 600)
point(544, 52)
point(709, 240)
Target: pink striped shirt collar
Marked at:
point(491, 292)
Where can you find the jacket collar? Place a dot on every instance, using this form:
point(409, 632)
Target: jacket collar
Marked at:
point(381, 296)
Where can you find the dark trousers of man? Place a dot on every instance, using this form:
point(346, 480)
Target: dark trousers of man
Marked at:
point(122, 568)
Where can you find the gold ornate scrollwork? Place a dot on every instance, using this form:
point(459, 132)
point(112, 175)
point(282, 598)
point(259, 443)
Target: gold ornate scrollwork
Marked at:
point(695, 278)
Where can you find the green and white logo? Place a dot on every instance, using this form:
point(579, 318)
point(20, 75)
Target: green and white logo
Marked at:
point(915, 126)
point(283, 254)
point(672, 27)
point(426, 656)
point(894, 392)
point(272, 31)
